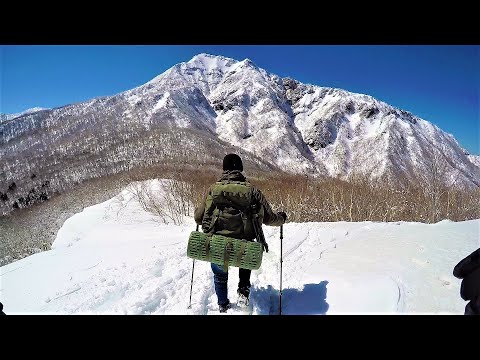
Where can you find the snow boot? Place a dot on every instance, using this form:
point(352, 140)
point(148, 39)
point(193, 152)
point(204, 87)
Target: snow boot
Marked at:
point(243, 296)
point(225, 307)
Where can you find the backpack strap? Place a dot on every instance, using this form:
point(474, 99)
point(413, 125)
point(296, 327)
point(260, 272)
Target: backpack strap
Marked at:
point(226, 254)
point(240, 252)
point(257, 228)
point(207, 248)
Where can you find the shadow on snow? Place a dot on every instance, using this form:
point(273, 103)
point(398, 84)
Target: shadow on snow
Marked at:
point(310, 300)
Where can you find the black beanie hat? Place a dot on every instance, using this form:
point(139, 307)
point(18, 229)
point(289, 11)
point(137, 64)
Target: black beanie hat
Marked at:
point(232, 162)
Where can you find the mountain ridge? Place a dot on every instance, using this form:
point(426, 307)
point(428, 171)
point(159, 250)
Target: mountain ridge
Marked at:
point(296, 127)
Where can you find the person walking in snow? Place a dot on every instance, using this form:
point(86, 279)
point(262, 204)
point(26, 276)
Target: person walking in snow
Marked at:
point(220, 213)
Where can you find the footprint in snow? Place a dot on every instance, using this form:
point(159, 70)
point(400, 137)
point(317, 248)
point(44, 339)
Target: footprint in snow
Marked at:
point(420, 262)
point(445, 282)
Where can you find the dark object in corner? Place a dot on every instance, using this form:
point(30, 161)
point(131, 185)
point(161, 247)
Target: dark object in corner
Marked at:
point(1, 309)
point(468, 269)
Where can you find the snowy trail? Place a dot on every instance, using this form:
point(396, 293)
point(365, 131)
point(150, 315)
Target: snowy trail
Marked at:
point(114, 258)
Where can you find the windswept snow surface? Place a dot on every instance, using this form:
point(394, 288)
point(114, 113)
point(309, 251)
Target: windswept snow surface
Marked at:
point(115, 258)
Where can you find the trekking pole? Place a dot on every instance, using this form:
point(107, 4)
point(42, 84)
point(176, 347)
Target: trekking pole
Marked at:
point(281, 263)
point(191, 283)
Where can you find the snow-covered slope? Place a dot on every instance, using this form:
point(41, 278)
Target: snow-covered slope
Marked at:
point(114, 258)
point(475, 159)
point(194, 107)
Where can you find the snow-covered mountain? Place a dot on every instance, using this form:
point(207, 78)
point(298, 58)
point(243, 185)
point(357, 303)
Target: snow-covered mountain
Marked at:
point(197, 109)
point(303, 127)
point(115, 258)
point(5, 117)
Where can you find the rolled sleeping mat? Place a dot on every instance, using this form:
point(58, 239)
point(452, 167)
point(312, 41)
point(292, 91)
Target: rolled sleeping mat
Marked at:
point(225, 251)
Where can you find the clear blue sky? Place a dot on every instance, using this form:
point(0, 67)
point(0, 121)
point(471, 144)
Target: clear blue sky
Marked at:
point(440, 84)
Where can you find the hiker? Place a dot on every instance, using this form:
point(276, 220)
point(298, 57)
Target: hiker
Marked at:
point(217, 216)
point(468, 269)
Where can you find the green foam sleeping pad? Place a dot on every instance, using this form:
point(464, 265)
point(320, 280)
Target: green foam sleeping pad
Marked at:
point(225, 251)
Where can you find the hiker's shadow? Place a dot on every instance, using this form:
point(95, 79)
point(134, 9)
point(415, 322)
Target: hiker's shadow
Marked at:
point(310, 300)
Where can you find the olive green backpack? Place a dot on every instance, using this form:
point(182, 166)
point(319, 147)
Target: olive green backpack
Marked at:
point(227, 228)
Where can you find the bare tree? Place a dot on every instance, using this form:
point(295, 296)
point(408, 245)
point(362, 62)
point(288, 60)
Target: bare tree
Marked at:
point(433, 182)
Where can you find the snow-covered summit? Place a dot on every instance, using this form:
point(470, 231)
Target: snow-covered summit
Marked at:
point(211, 62)
point(312, 129)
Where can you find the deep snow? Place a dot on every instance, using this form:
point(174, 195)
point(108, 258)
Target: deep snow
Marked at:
point(115, 258)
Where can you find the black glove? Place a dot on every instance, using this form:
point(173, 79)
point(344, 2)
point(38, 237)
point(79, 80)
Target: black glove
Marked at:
point(473, 307)
point(283, 215)
point(468, 269)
